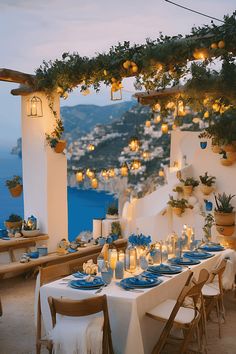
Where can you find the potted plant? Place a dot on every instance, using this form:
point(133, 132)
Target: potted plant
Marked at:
point(188, 185)
point(14, 222)
point(15, 186)
point(207, 183)
point(54, 139)
point(224, 214)
point(178, 205)
point(112, 212)
point(225, 161)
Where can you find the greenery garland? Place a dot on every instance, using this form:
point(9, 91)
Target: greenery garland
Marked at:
point(156, 64)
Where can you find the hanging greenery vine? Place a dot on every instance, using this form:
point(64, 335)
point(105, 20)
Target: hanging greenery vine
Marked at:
point(156, 64)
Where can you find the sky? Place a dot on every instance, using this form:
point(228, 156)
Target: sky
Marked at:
point(33, 31)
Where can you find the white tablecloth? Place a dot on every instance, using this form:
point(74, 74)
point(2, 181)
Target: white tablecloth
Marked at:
point(132, 331)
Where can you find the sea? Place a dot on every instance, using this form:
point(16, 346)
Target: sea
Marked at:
point(83, 204)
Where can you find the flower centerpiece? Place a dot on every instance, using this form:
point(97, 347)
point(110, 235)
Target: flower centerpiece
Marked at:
point(140, 242)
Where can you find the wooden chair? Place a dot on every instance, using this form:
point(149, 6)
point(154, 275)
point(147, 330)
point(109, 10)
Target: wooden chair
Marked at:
point(213, 293)
point(174, 314)
point(46, 275)
point(82, 308)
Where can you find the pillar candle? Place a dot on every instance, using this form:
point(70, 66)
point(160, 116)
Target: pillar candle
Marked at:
point(97, 228)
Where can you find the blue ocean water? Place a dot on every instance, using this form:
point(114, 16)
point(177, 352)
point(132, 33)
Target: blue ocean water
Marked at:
point(83, 205)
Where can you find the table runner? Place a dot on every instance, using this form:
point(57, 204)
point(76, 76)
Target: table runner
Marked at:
point(132, 331)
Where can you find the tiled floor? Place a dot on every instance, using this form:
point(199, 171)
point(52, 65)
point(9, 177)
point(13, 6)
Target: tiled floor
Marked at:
point(17, 330)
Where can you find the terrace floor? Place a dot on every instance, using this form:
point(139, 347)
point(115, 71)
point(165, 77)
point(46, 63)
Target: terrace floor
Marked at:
point(17, 330)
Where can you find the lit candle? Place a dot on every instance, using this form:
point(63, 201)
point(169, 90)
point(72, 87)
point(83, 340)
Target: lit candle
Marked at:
point(113, 258)
point(121, 256)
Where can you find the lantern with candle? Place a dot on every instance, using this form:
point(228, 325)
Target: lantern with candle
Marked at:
point(34, 107)
point(164, 128)
point(104, 174)
point(130, 259)
point(113, 258)
point(135, 164)
point(146, 155)
point(91, 147)
point(90, 173)
point(94, 183)
point(148, 123)
point(111, 172)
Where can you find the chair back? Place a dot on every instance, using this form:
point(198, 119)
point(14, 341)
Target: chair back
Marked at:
point(86, 307)
point(191, 289)
point(218, 272)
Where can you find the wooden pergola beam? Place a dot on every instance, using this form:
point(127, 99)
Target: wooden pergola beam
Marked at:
point(22, 91)
point(16, 77)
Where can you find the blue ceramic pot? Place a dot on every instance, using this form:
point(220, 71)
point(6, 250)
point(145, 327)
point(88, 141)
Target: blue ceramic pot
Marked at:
point(203, 144)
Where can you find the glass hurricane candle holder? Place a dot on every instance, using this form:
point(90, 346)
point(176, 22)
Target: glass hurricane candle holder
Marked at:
point(131, 259)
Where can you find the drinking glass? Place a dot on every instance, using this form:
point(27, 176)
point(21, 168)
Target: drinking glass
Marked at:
point(107, 275)
point(143, 262)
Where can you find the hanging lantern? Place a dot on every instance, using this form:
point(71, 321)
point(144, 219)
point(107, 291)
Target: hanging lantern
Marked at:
point(134, 144)
point(161, 173)
point(200, 54)
point(124, 170)
point(104, 174)
point(94, 183)
point(157, 119)
point(111, 172)
point(148, 123)
point(79, 176)
point(156, 107)
point(90, 173)
point(116, 90)
point(146, 155)
point(91, 147)
point(164, 128)
point(135, 164)
point(34, 107)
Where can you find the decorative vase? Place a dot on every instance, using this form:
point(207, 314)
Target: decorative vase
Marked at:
point(188, 190)
point(61, 145)
point(224, 219)
point(226, 162)
point(225, 230)
point(177, 211)
point(206, 190)
point(16, 191)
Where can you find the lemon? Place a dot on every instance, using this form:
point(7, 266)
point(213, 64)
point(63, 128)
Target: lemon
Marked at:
point(221, 44)
point(127, 64)
point(214, 46)
point(134, 68)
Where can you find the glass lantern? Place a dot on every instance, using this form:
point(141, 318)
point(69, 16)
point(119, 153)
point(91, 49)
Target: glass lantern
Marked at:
point(79, 176)
point(131, 259)
point(34, 107)
point(124, 170)
point(113, 258)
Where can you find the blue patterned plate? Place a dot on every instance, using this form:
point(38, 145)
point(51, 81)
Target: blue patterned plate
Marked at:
point(198, 255)
point(149, 274)
point(79, 275)
point(212, 248)
point(184, 261)
point(84, 284)
point(140, 283)
point(165, 269)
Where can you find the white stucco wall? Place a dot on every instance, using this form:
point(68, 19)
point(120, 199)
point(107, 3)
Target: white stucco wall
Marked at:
point(147, 212)
point(44, 173)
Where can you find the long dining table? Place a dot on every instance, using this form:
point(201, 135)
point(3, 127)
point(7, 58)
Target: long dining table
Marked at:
point(132, 331)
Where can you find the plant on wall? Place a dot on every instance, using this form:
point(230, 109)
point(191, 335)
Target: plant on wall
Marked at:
point(54, 139)
point(207, 183)
point(178, 205)
point(15, 186)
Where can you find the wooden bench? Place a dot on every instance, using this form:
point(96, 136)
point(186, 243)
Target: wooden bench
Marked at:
point(20, 243)
point(8, 270)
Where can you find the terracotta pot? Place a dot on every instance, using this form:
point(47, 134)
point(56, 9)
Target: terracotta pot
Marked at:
point(16, 191)
point(13, 224)
point(224, 219)
point(206, 190)
point(229, 148)
point(60, 147)
point(226, 162)
point(177, 211)
point(112, 217)
point(231, 156)
point(216, 149)
point(225, 230)
point(188, 190)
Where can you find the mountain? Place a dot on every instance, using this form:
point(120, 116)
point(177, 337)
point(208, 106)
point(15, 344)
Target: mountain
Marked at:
point(81, 119)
